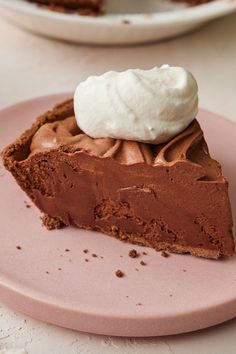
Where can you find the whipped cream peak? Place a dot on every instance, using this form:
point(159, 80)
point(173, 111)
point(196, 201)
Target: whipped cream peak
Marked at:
point(150, 106)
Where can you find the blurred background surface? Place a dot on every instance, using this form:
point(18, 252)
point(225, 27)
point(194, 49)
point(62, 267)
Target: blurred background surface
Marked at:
point(34, 66)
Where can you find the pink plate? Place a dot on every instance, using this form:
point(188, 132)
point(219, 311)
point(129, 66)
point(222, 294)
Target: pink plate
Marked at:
point(45, 274)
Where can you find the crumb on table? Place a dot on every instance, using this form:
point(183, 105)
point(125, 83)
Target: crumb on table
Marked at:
point(126, 22)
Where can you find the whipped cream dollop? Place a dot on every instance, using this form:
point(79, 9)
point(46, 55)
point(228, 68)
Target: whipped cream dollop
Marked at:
point(150, 106)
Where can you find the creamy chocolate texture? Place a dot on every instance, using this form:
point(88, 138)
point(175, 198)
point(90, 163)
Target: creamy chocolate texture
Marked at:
point(188, 145)
point(170, 196)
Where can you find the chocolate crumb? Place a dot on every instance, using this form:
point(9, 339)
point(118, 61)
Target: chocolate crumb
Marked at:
point(51, 223)
point(67, 250)
point(144, 253)
point(184, 270)
point(139, 304)
point(121, 256)
point(27, 205)
point(101, 257)
point(137, 270)
point(133, 254)
point(119, 273)
point(143, 263)
point(19, 247)
point(94, 255)
point(85, 251)
point(126, 22)
point(47, 272)
point(164, 254)
point(86, 260)
point(127, 296)
point(59, 268)
point(171, 295)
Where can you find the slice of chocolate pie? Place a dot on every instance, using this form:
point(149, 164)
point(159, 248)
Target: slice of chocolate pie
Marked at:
point(169, 196)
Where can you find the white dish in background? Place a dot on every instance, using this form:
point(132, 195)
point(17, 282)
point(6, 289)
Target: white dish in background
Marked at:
point(126, 22)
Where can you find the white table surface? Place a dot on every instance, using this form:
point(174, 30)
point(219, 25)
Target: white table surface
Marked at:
point(33, 66)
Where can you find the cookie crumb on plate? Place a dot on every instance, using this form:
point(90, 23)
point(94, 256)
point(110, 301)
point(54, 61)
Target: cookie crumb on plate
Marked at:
point(119, 273)
point(133, 253)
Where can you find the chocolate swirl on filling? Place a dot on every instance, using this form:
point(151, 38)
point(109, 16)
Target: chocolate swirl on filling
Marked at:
point(188, 145)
